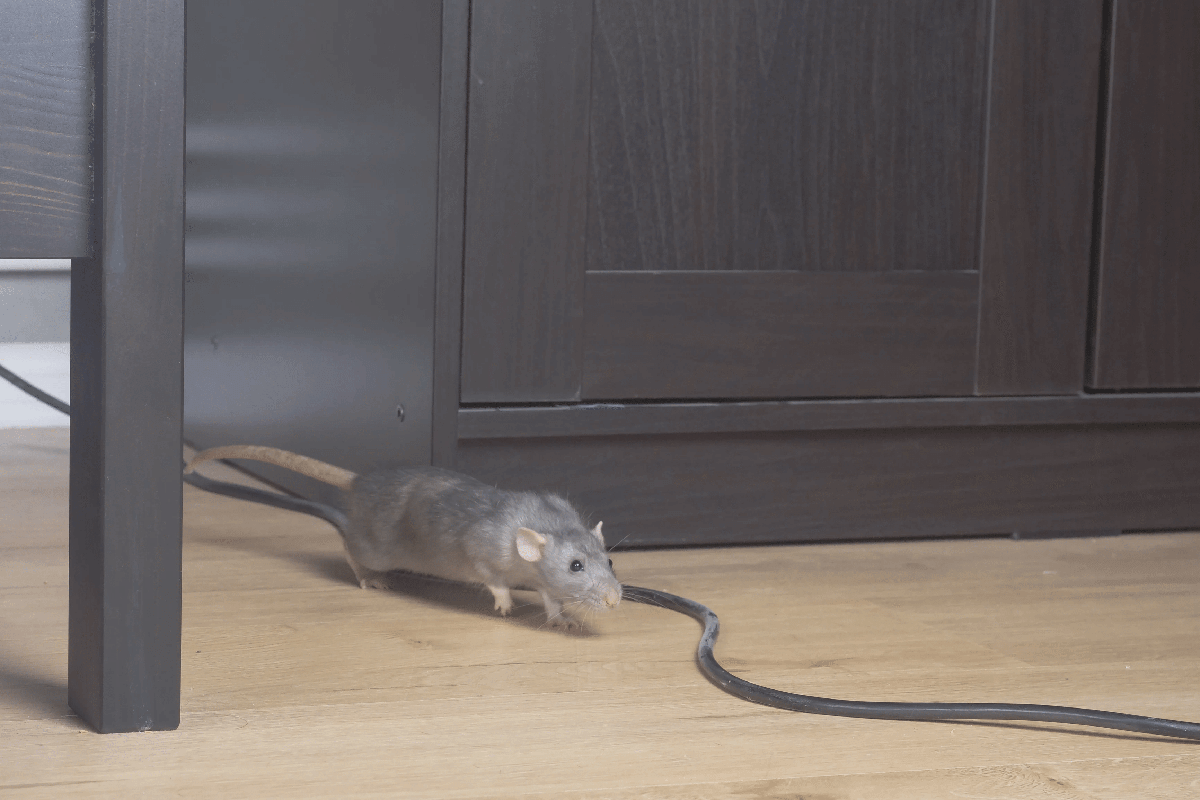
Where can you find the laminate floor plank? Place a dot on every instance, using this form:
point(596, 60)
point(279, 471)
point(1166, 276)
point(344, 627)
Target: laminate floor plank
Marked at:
point(298, 684)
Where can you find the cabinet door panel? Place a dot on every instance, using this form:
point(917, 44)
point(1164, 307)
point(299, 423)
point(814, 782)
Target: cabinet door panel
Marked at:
point(784, 135)
point(665, 335)
point(775, 171)
point(526, 190)
point(1035, 257)
point(934, 138)
point(1148, 315)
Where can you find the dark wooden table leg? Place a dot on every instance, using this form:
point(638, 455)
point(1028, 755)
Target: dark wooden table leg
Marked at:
point(127, 381)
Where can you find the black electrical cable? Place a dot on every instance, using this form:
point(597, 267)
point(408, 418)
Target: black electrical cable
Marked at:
point(898, 711)
point(712, 626)
point(30, 389)
point(328, 513)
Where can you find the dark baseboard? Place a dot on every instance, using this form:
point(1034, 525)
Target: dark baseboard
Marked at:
point(612, 419)
point(824, 485)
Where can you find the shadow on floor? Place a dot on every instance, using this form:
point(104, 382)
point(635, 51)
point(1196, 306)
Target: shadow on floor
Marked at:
point(435, 592)
point(30, 695)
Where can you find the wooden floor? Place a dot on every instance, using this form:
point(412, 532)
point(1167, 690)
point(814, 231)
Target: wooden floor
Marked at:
point(298, 684)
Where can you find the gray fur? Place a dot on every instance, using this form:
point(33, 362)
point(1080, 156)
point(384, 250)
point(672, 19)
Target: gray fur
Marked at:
point(437, 522)
point(441, 523)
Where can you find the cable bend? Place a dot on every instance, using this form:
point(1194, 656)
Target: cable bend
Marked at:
point(899, 711)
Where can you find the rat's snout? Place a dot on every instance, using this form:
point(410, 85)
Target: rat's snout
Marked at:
point(612, 596)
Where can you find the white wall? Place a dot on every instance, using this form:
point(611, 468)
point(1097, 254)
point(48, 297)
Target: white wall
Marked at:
point(35, 325)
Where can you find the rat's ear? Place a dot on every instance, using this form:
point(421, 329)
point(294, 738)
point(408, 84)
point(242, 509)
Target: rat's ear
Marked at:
point(596, 532)
point(530, 544)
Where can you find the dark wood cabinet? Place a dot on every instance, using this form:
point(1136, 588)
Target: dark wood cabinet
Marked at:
point(1148, 280)
point(783, 270)
point(781, 199)
point(729, 239)
point(722, 272)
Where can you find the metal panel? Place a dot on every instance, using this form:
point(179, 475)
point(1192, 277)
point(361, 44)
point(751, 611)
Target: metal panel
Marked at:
point(123, 656)
point(452, 167)
point(312, 217)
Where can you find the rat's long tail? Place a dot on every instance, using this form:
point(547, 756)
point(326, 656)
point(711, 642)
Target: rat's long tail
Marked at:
point(319, 470)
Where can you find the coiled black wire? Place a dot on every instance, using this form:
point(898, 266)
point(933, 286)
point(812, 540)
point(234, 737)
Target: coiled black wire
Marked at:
point(712, 626)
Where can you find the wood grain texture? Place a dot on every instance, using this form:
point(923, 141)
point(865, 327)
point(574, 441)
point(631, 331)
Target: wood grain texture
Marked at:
point(298, 684)
point(1147, 326)
point(1037, 222)
point(526, 200)
point(814, 136)
point(778, 334)
point(697, 489)
point(619, 419)
point(45, 120)
point(127, 382)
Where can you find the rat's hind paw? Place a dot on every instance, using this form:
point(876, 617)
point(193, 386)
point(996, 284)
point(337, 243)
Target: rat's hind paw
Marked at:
point(376, 581)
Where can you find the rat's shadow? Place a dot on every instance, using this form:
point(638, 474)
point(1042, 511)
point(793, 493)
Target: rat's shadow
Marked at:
point(462, 597)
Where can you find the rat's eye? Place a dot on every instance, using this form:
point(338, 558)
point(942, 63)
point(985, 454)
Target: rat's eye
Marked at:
point(576, 566)
point(610, 563)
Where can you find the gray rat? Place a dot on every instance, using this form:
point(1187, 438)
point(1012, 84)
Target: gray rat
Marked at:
point(442, 523)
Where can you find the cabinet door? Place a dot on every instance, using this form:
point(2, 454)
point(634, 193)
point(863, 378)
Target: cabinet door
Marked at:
point(676, 200)
point(1148, 310)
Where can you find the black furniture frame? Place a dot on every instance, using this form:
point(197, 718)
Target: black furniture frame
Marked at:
point(106, 191)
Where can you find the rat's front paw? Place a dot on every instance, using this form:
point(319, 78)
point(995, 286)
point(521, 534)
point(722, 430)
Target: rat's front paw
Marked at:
point(503, 597)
